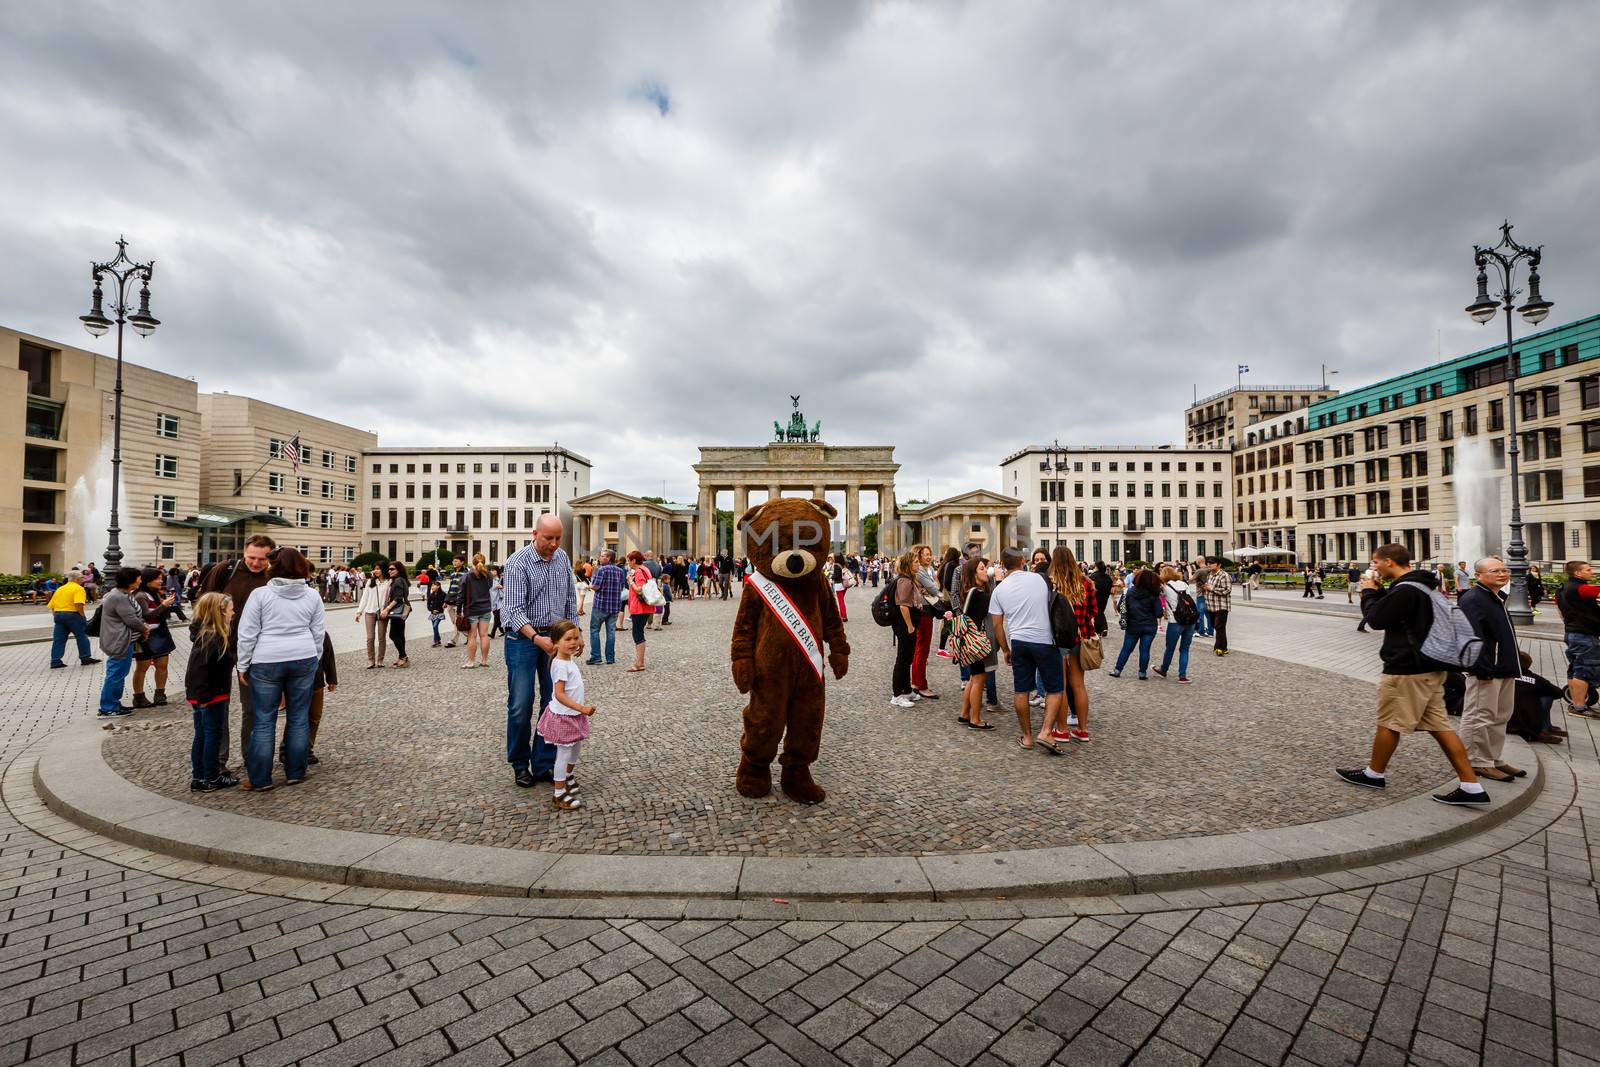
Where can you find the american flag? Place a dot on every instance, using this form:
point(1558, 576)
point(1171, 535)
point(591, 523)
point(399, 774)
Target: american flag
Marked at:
point(292, 450)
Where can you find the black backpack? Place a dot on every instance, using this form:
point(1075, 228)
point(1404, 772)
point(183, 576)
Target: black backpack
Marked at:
point(1063, 621)
point(884, 610)
point(1185, 612)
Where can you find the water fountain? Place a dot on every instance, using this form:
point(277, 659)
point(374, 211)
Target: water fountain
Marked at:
point(89, 512)
point(1477, 532)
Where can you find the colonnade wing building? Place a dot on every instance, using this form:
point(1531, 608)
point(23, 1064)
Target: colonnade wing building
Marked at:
point(1422, 458)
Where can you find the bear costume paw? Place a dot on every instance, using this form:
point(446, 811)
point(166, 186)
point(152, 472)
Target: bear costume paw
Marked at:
point(798, 784)
point(753, 781)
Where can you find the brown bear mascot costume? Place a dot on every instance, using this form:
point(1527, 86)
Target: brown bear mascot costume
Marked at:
point(785, 614)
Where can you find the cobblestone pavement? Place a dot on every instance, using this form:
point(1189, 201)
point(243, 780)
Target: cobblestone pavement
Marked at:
point(110, 955)
point(421, 753)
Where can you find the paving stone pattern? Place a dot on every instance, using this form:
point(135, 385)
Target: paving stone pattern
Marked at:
point(421, 753)
point(111, 955)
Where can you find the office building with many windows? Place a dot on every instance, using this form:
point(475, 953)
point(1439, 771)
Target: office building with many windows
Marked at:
point(1422, 458)
point(467, 499)
point(1123, 502)
point(55, 457)
point(250, 482)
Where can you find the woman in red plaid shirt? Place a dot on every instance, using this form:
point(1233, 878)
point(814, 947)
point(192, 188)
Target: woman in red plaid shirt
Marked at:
point(1067, 578)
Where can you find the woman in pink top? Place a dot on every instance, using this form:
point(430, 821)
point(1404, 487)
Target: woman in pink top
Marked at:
point(639, 611)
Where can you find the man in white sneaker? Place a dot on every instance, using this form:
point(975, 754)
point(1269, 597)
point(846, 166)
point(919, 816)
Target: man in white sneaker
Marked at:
point(1020, 611)
point(1411, 691)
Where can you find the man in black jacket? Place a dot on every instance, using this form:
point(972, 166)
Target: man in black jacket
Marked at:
point(1491, 682)
point(1411, 691)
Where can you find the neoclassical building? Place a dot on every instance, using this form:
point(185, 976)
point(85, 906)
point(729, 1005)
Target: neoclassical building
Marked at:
point(615, 520)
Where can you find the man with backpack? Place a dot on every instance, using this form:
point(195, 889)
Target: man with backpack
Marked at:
point(1411, 691)
point(1492, 679)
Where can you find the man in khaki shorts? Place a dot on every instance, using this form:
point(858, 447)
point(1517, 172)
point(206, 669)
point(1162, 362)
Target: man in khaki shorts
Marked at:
point(1411, 691)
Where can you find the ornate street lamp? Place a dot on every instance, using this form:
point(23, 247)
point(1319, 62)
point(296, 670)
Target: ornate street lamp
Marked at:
point(1505, 257)
point(123, 272)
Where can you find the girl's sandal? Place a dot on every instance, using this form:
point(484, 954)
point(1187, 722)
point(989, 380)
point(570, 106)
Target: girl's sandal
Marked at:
point(567, 802)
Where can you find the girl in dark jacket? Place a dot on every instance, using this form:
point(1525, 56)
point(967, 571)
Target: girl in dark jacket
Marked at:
point(1141, 606)
point(205, 683)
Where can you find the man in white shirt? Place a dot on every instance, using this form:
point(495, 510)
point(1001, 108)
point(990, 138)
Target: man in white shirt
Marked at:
point(1020, 612)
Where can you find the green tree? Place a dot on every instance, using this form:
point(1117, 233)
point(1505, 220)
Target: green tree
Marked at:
point(869, 534)
point(368, 560)
point(654, 499)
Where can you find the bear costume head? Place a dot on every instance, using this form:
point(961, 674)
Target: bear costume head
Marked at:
point(777, 654)
point(787, 539)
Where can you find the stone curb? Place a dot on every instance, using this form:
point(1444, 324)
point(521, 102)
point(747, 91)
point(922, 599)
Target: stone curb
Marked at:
point(76, 783)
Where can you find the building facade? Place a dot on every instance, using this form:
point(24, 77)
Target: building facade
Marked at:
point(468, 500)
point(1422, 458)
point(1119, 502)
point(1225, 420)
point(249, 483)
point(55, 457)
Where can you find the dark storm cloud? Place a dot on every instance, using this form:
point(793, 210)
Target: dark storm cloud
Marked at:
point(957, 228)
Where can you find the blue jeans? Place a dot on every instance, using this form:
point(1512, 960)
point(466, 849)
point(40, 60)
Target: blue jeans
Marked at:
point(1203, 624)
point(990, 693)
point(69, 622)
point(527, 664)
point(436, 622)
point(117, 668)
point(210, 727)
point(1179, 637)
point(1144, 642)
point(597, 620)
point(290, 680)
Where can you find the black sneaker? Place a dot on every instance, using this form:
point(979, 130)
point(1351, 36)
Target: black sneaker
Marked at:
point(525, 778)
point(225, 780)
point(87, 662)
point(197, 786)
point(57, 666)
point(1461, 796)
point(1359, 776)
point(311, 758)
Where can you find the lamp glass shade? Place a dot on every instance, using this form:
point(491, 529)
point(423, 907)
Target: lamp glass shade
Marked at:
point(144, 324)
point(1535, 311)
point(1483, 312)
point(97, 325)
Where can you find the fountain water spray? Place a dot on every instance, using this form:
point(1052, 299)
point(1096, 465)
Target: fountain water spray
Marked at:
point(1477, 532)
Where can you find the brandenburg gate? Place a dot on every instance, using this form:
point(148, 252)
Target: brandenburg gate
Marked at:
point(796, 462)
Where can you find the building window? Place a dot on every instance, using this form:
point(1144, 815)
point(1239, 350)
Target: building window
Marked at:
point(350, 468)
point(325, 520)
point(350, 492)
point(276, 511)
point(166, 466)
point(511, 468)
point(166, 507)
point(167, 550)
point(327, 490)
point(167, 426)
point(1591, 481)
point(349, 522)
point(377, 519)
point(327, 459)
point(302, 486)
point(302, 517)
point(274, 448)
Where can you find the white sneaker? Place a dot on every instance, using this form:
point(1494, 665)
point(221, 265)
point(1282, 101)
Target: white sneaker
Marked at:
point(1072, 720)
point(902, 702)
point(913, 696)
point(1036, 701)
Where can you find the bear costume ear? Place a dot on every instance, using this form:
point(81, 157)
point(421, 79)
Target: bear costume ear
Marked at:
point(825, 507)
point(749, 516)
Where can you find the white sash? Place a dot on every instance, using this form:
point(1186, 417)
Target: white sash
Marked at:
point(790, 616)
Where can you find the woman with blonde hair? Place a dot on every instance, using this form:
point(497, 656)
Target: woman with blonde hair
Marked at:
point(206, 681)
point(907, 610)
point(927, 582)
point(1066, 577)
point(475, 600)
point(1179, 632)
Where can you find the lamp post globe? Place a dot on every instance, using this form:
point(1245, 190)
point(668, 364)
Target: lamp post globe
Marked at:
point(1505, 258)
point(123, 273)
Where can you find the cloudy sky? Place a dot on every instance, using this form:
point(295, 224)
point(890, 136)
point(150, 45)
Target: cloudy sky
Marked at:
point(637, 228)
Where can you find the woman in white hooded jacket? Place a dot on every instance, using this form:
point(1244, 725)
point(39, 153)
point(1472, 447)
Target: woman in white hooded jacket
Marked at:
point(280, 644)
point(369, 610)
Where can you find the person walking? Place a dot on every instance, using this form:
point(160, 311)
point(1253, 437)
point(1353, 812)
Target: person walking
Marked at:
point(1580, 619)
point(837, 580)
point(374, 597)
point(280, 644)
point(1219, 602)
point(1101, 578)
point(67, 612)
point(397, 605)
point(1141, 605)
point(475, 600)
point(540, 591)
point(1411, 689)
point(207, 681)
point(121, 624)
point(241, 578)
point(1019, 610)
point(155, 604)
point(640, 610)
point(607, 583)
point(1181, 621)
point(1491, 682)
point(434, 600)
point(1202, 625)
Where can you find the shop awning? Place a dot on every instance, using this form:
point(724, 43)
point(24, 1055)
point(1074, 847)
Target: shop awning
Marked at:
point(215, 517)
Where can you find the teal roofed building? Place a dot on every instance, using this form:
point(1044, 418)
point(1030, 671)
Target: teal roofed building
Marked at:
point(1424, 458)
